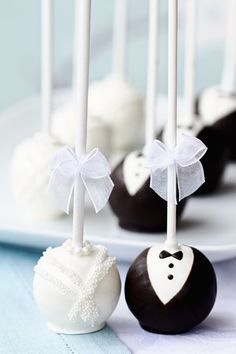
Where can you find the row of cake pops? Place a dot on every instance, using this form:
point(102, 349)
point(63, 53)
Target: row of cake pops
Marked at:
point(169, 288)
point(115, 106)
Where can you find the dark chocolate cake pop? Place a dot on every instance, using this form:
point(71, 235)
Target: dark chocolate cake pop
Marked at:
point(136, 205)
point(216, 159)
point(169, 290)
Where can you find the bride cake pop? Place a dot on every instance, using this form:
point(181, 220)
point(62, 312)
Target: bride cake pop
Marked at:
point(215, 160)
point(77, 285)
point(171, 288)
point(217, 105)
point(32, 158)
point(137, 207)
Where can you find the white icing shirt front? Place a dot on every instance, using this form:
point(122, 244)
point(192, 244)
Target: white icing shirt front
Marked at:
point(135, 172)
point(169, 274)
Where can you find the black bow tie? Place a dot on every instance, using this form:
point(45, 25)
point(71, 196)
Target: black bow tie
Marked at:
point(178, 255)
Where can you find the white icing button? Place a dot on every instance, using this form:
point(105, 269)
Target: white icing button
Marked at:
point(135, 172)
point(168, 281)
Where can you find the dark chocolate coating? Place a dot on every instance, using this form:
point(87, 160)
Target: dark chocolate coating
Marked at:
point(187, 309)
point(215, 159)
point(143, 212)
point(227, 126)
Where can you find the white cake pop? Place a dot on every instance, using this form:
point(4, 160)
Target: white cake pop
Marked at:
point(64, 127)
point(219, 101)
point(215, 104)
point(114, 98)
point(76, 291)
point(29, 176)
point(120, 105)
point(77, 286)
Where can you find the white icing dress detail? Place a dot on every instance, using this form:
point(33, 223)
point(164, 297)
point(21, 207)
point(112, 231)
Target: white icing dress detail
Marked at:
point(167, 272)
point(84, 304)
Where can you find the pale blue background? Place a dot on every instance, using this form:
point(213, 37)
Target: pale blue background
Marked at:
point(20, 44)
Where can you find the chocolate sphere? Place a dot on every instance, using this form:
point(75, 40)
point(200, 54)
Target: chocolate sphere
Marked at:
point(227, 125)
point(216, 158)
point(144, 210)
point(170, 292)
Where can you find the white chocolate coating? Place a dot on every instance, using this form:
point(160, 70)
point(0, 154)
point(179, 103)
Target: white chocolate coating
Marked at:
point(121, 106)
point(29, 176)
point(76, 291)
point(159, 270)
point(215, 104)
point(64, 127)
point(135, 172)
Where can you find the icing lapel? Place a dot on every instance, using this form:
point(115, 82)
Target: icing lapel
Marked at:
point(168, 271)
point(135, 174)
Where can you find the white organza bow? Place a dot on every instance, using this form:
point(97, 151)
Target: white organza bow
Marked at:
point(92, 168)
point(184, 164)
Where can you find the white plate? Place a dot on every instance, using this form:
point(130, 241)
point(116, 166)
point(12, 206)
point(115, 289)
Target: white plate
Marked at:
point(208, 223)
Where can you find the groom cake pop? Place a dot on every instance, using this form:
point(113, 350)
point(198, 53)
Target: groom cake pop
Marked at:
point(171, 288)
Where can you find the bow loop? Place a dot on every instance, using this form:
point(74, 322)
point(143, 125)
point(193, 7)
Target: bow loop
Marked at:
point(183, 162)
point(92, 168)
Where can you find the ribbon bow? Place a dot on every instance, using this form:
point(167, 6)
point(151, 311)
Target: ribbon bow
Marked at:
point(92, 168)
point(165, 254)
point(183, 162)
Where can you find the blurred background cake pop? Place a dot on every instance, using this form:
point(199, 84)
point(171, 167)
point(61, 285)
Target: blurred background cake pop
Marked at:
point(31, 160)
point(217, 105)
point(114, 98)
point(214, 162)
point(171, 288)
point(137, 207)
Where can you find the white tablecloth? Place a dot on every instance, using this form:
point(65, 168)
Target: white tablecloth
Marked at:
point(216, 335)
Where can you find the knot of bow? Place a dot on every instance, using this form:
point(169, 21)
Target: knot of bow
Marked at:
point(93, 169)
point(183, 163)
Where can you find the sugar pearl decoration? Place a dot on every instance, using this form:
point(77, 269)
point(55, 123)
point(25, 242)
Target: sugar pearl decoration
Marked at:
point(121, 106)
point(29, 176)
point(76, 289)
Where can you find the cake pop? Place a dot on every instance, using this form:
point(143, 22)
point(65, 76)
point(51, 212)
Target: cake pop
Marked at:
point(31, 161)
point(64, 123)
point(137, 207)
point(77, 285)
point(214, 162)
point(114, 98)
point(171, 288)
point(217, 105)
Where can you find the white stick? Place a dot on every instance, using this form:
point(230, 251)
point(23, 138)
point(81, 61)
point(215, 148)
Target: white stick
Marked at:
point(81, 71)
point(190, 61)
point(119, 37)
point(46, 63)
point(172, 114)
point(150, 119)
point(229, 72)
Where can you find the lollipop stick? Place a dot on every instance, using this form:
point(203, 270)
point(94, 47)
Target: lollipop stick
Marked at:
point(81, 71)
point(190, 61)
point(119, 37)
point(46, 63)
point(172, 115)
point(152, 72)
point(229, 72)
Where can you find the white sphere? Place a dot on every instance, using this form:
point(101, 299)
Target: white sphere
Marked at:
point(76, 291)
point(29, 176)
point(64, 128)
point(214, 104)
point(121, 106)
